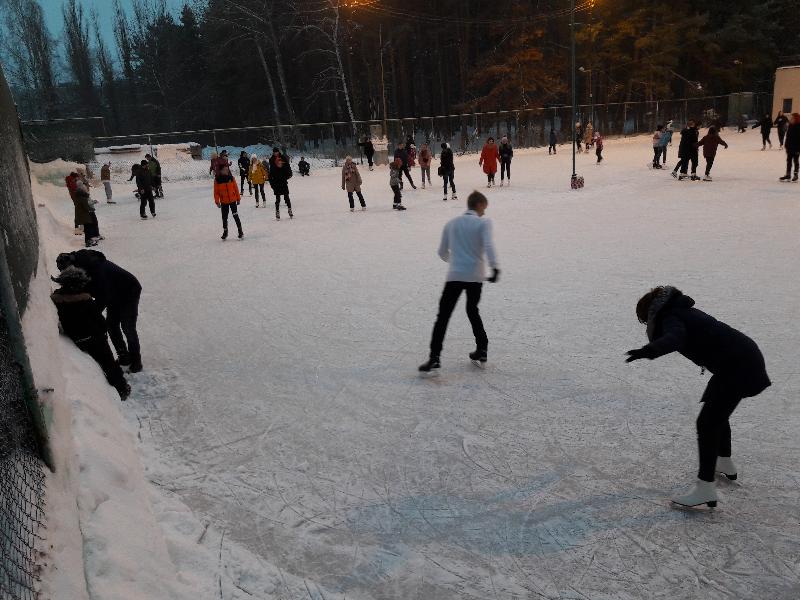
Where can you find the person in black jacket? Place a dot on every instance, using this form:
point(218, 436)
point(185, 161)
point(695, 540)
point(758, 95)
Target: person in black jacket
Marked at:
point(765, 124)
point(369, 151)
point(117, 292)
point(144, 183)
point(781, 124)
point(447, 170)
point(280, 171)
point(401, 153)
point(792, 147)
point(687, 151)
point(551, 149)
point(734, 360)
point(244, 173)
point(506, 154)
point(82, 321)
point(304, 167)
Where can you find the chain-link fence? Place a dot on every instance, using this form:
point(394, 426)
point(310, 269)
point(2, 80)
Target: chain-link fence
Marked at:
point(23, 437)
point(70, 139)
point(185, 155)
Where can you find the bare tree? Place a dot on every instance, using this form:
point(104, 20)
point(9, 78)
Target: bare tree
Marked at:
point(325, 24)
point(107, 75)
point(28, 44)
point(79, 54)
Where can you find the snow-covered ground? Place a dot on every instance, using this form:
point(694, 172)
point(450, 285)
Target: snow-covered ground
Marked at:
point(280, 399)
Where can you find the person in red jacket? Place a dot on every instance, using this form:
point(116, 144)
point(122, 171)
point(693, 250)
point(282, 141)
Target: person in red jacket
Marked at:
point(710, 142)
point(489, 157)
point(226, 194)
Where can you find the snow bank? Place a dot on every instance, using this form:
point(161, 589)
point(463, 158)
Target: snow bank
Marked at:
point(110, 533)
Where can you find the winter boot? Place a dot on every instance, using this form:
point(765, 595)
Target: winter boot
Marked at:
point(291, 216)
point(241, 234)
point(136, 364)
point(224, 234)
point(704, 492)
point(433, 364)
point(479, 357)
point(123, 358)
point(785, 177)
point(794, 178)
point(277, 214)
point(726, 467)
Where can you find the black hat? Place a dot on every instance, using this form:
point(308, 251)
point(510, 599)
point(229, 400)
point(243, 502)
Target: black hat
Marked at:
point(64, 260)
point(73, 278)
point(276, 149)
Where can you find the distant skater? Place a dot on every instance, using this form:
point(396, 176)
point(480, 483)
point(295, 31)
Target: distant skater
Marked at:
point(425, 158)
point(447, 170)
point(395, 181)
point(351, 183)
point(733, 359)
point(791, 145)
point(506, 154)
point(710, 142)
point(489, 157)
point(244, 173)
point(257, 176)
point(105, 178)
point(467, 245)
point(551, 148)
point(227, 196)
point(687, 152)
point(280, 172)
point(765, 124)
point(597, 140)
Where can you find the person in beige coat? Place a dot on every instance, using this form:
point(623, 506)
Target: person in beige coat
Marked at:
point(351, 182)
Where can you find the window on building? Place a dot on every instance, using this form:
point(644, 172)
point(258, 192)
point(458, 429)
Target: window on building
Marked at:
point(787, 105)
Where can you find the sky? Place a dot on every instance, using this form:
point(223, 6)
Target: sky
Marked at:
point(55, 19)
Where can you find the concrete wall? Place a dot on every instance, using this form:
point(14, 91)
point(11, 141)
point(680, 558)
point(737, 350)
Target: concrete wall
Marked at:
point(787, 85)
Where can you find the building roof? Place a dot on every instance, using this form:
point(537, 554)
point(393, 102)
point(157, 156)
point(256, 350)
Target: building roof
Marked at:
point(789, 67)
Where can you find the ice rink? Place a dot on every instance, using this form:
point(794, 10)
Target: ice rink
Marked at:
point(281, 399)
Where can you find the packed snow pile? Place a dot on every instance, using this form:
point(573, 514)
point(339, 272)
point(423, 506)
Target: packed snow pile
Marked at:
point(280, 402)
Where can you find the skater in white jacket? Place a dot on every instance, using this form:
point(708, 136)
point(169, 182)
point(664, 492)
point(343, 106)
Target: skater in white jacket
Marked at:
point(467, 245)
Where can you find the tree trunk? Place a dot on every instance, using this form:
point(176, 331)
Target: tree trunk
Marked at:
point(269, 82)
point(276, 48)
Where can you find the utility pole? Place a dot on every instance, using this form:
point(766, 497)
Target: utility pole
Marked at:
point(574, 103)
point(383, 79)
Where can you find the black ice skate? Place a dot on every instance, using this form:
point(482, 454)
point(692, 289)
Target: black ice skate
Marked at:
point(432, 365)
point(291, 216)
point(479, 357)
point(785, 178)
point(224, 235)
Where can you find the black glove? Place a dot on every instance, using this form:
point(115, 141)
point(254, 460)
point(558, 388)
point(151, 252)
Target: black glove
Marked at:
point(495, 276)
point(638, 354)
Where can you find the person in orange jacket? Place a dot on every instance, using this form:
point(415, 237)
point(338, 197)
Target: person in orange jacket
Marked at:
point(226, 194)
point(489, 157)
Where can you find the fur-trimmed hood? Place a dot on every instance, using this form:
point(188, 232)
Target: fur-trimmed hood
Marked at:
point(667, 296)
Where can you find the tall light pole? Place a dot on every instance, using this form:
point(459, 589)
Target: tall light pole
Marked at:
point(591, 96)
point(383, 80)
point(574, 103)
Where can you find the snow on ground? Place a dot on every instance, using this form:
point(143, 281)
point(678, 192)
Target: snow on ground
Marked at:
point(280, 400)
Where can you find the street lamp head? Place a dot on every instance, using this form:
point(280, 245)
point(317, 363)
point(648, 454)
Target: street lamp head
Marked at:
point(581, 69)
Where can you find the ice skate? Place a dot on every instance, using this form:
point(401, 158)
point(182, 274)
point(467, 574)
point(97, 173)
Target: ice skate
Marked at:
point(110, 202)
point(785, 178)
point(479, 357)
point(502, 183)
point(703, 492)
point(363, 208)
point(124, 392)
point(433, 365)
point(444, 199)
point(136, 365)
point(794, 178)
point(398, 207)
point(124, 359)
point(675, 174)
point(78, 230)
point(154, 215)
point(695, 177)
point(241, 233)
point(454, 197)
point(257, 204)
point(143, 216)
point(277, 215)
point(352, 210)
point(291, 216)
point(224, 234)
point(707, 178)
point(726, 468)
point(91, 243)
point(423, 185)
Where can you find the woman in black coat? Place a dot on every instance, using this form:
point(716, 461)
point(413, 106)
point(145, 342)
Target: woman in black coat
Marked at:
point(792, 147)
point(280, 171)
point(687, 151)
point(736, 365)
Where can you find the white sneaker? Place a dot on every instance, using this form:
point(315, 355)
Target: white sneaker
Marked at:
point(726, 467)
point(703, 492)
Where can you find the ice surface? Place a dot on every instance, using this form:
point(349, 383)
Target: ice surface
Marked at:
point(280, 399)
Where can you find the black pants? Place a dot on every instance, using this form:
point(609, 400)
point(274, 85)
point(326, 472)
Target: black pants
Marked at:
point(781, 135)
point(448, 176)
point(664, 154)
point(447, 303)
point(121, 319)
point(244, 178)
point(352, 201)
point(369, 160)
point(792, 158)
point(684, 164)
point(285, 199)
point(97, 347)
point(490, 177)
point(92, 228)
point(159, 192)
point(505, 170)
point(408, 176)
point(398, 197)
point(552, 148)
point(765, 139)
point(145, 199)
point(656, 155)
point(599, 153)
point(713, 427)
point(260, 187)
point(709, 164)
point(234, 210)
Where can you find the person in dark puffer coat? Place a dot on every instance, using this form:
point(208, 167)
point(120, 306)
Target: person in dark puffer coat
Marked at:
point(117, 291)
point(736, 364)
point(82, 321)
point(792, 147)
